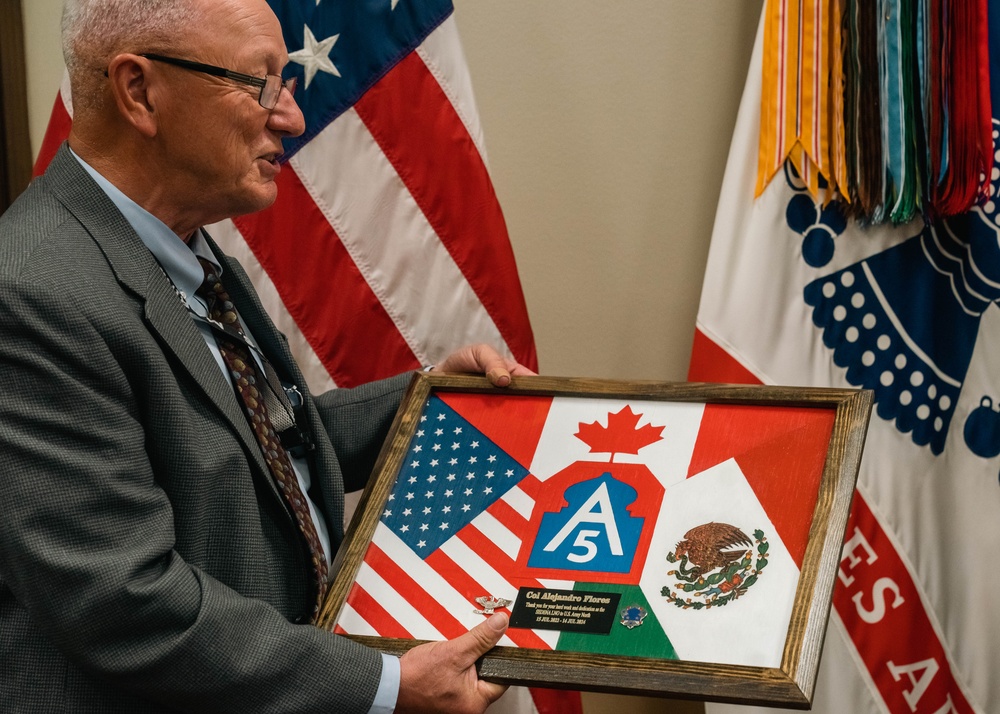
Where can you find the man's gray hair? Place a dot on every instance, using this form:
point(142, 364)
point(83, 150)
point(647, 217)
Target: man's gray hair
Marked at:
point(95, 31)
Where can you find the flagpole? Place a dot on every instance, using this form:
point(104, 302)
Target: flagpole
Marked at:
point(15, 149)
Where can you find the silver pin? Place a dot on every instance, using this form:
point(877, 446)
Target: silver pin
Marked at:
point(491, 603)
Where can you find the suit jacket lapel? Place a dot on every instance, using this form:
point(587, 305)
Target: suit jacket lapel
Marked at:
point(138, 272)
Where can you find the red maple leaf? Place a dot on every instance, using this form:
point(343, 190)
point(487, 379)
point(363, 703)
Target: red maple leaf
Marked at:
point(620, 435)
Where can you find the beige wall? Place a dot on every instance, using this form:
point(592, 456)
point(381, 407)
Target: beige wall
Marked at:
point(607, 126)
point(44, 59)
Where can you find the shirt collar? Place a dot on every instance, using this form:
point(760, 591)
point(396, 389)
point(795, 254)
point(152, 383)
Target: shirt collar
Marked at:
point(178, 259)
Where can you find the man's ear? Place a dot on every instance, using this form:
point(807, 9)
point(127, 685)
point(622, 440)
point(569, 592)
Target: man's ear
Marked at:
point(133, 93)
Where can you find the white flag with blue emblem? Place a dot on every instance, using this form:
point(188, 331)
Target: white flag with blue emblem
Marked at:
point(794, 294)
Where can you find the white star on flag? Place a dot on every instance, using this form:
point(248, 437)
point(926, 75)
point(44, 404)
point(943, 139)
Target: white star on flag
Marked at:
point(315, 56)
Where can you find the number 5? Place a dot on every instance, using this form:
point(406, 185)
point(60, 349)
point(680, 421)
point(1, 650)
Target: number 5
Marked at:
point(582, 541)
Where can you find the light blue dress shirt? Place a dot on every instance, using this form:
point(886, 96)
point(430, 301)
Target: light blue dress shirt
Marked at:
point(179, 261)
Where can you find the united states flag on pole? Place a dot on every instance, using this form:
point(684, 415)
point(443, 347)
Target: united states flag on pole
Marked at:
point(387, 247)
point(796, 294)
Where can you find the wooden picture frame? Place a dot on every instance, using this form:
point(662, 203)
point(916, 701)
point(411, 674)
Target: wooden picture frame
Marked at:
point(649, 538)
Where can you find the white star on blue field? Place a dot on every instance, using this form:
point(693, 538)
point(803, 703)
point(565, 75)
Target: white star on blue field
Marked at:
point(453, 473)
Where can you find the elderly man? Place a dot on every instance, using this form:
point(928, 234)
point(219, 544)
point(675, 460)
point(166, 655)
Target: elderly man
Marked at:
point(170, 501)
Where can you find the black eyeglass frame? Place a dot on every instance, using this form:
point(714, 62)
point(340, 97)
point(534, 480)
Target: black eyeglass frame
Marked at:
point(269, 81)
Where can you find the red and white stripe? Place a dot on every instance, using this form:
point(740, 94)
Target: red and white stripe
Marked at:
point(399, 594)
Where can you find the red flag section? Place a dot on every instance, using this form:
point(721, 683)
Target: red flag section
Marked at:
point(355, 339)
point(769, 444)
point(424, 139)
point(514, 423)
point(55, 134)
point(880, 605)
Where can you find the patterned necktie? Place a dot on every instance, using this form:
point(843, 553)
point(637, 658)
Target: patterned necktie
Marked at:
point(245, 376)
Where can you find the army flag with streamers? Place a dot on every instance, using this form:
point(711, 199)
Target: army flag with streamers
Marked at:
point(797, 294)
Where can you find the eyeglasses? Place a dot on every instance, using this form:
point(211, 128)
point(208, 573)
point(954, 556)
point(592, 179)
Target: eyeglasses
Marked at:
point(270, 85)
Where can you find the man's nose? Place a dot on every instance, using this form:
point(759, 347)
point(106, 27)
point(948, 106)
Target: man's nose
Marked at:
point(286, 117)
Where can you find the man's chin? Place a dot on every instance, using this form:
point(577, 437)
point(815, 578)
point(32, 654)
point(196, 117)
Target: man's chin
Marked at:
point(260, 198)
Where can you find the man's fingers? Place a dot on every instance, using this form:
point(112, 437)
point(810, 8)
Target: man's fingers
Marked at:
point(477, 642)
point(492, 364)
point(498, 376)
point(519, 370)
point(441, 676)
point(481, 638)
point(484, 359)
point(491, 691)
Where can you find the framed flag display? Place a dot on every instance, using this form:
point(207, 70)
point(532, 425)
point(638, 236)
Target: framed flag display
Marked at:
point(643, 537)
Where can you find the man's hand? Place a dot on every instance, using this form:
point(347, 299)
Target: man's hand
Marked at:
point(483, 359)
point(441, 676)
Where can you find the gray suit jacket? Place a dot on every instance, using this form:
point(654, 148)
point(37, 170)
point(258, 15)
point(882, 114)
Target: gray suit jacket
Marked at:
point(147, 561)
